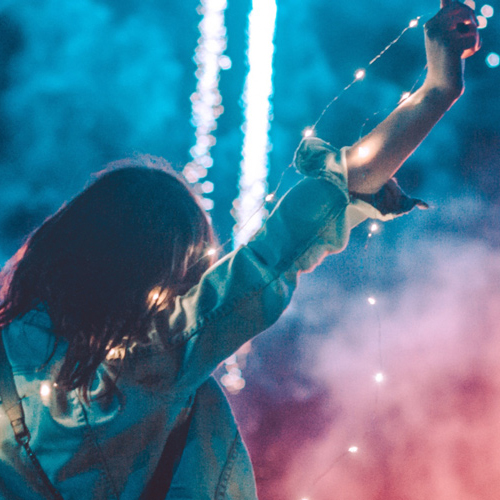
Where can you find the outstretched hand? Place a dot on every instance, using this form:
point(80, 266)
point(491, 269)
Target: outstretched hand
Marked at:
point(450, 36)
point(461, 24)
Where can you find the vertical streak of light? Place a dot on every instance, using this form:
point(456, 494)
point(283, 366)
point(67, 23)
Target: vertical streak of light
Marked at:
point(206, 100)
point(249, 211)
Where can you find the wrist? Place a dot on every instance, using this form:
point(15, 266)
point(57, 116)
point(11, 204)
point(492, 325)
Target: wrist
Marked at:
point(445, 75)
point(444, 95)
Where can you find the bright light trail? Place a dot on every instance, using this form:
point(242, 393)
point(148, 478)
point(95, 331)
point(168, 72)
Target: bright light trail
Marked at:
point(249, 210)
point(206, 101)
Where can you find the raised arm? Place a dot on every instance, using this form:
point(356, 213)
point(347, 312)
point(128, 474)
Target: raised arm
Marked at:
point(450, 37)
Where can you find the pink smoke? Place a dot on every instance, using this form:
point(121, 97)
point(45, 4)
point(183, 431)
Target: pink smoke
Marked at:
point(431, 429)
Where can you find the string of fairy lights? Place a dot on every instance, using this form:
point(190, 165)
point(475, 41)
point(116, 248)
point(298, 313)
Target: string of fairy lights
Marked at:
point(250, 206)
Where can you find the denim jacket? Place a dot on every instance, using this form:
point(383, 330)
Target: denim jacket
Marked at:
point(109, 449)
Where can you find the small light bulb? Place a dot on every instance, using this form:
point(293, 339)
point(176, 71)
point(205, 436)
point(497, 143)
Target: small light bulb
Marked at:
point(360, 74)
point(413, 23)
point(363, 152)
point(379, 378)
point(44, 389)
point(374, 227)
point(308, 132)
point(372, 301)
point(404, 96)
point(353, 449)
point(211, 251)
point(270, 197)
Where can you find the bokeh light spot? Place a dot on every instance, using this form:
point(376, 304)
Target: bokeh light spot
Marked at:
point(482, 22)
point(493, 60)
point(487, 11)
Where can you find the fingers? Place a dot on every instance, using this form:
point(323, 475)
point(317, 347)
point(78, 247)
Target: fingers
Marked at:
point(457, 17)
point(457, 26)
point(470, 43)
point(465, 26)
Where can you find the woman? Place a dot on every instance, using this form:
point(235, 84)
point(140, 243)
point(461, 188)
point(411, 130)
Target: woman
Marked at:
point(114, 315)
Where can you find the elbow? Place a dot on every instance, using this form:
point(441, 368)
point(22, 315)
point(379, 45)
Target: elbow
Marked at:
point(365, 179)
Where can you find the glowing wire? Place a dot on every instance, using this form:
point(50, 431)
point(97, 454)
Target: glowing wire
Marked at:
point(413, 24)
point(249, 208)
point(360, 74)
point(206, 101)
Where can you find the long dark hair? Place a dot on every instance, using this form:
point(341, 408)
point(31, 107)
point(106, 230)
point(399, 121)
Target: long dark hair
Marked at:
point(105, 263)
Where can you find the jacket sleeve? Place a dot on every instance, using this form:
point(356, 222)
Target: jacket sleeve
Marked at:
point(246, 291)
